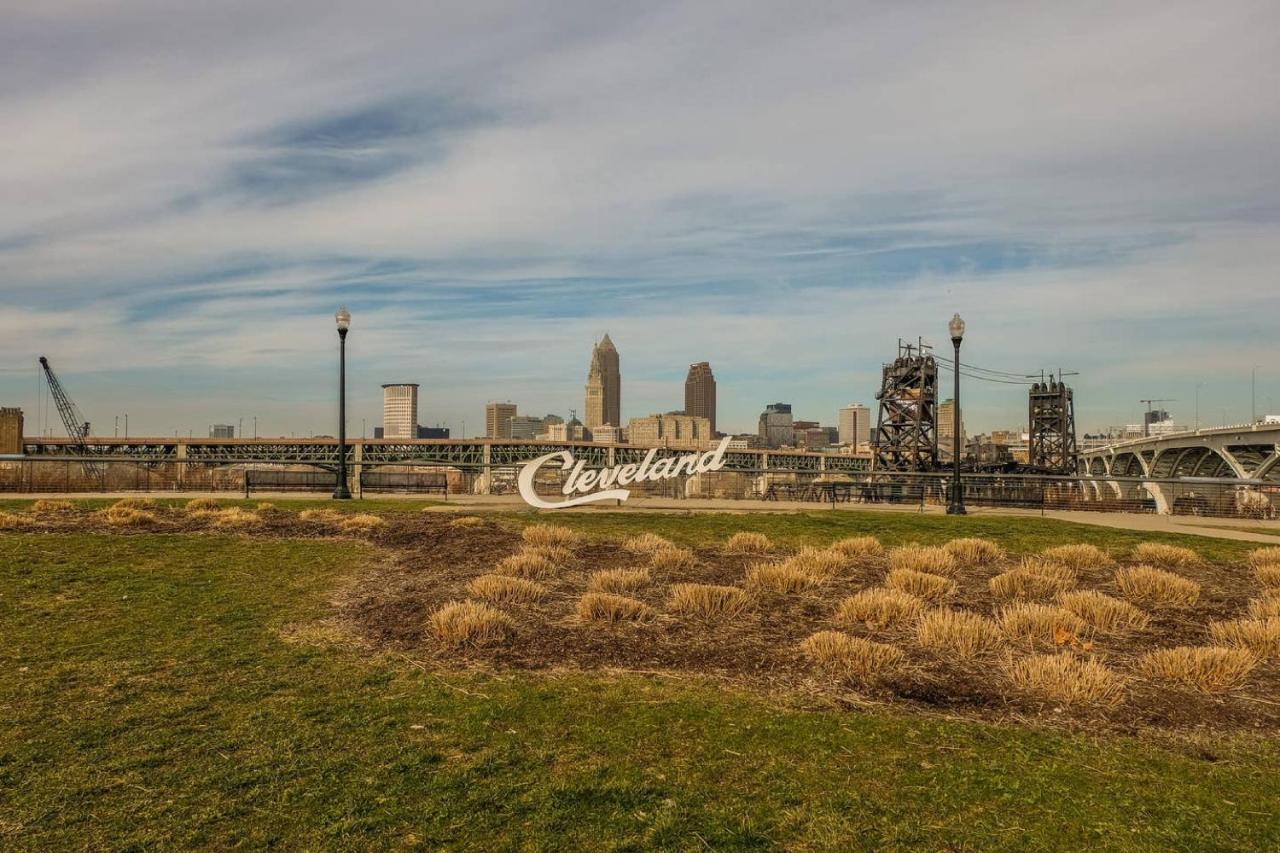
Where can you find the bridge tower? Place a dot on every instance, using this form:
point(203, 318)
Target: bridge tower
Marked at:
point(906, 435)
point(1051, 417)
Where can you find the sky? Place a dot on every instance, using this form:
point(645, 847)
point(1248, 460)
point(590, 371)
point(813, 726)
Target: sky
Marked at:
point(783, 189)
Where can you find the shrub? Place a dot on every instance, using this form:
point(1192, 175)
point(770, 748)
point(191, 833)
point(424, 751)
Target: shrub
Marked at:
point(504, 588)
point(922, 558)
point(1039, 623)
point(48, 507)
point(550, 534)
point(1168, 556)
point(607, 607)
point(124, 516)
point(746, 542)
point(672, 559)
point(463, 520)
point(363, 522)
point(1212, 669)
point(1260, 636)
point(647, 543)
point(853, 657)
point(1152, 587)
point(931, 588)
point(879, 608)
point(781, 578)
point(1264, 557)
point(1076, 557)
point(821, 563)
point(470, 623)
point(1102, 612)
point(1067, 679)
point(617, 580)
point(524, 566)
point(1034, 580)
point(1267, 605)
point(960, 633)
point(1268, 575)
point(135, 503)
point(858, 547)
point(202, 505)
point(973, 551)
point(707, 600)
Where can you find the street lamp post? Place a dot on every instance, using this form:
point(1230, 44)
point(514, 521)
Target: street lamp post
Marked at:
point(956, 507)
point(343, 319)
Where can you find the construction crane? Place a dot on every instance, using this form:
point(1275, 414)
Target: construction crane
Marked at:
point(77, 427)
point(1146, 421)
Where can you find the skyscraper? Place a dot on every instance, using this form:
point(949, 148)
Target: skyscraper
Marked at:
point(497, 419)
point(776, 428)
point(400, 410)
point(855, 425)
point(700, 393)
point(946, 430)
point(604, 386)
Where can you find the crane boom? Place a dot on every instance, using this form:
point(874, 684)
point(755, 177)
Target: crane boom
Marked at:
point(77, 427)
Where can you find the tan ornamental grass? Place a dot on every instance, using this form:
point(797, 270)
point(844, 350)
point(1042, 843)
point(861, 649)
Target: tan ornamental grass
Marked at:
point(533, 566)
point(321, 516)
point(1268, 575)
point(1165, 556)
point(618, 580)
point(1077, 557)
point(505, 588)
point(1266, 605)
point(1260, 636)
point(557, 555)
point(1033, 580)
point(858, 547)
point(463, 520)
point(672, 559)
point(265, 508)
point(747, 542)
point(923, 558)
point(960, 633)
point(1103, 613)
point(707, 601)
point(1264, 557)
point(611, 608)
point(972, 551)
point(363, 522)
point(202, 505)
point(879, 607)
point(853, 658)
point(931, 588)
point(127, 516)
point(1210, 669)
point(550, 534)
point(470, 623)
point(1039, 624)
point(135, 503)
point(781, 578)
point(822, 563)
point(1147, 586)
point(647, 543)
point(45, 507)
point(1066, 679)
point(13, 521)
point(233, 518)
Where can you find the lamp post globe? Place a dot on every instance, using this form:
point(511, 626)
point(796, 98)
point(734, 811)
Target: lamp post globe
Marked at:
point(956, 504)
point(342, 317)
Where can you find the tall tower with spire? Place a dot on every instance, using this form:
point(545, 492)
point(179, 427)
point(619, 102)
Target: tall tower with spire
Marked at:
point(604, 386)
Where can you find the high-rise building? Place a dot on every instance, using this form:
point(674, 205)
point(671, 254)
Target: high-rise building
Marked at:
point(11, 430)
point(400, 410)
point(947, 428)
point(497, 419)
point(855, 425)
point(604, 386)
point(525, 426)
point(222, 431)
point(700, 393)
point(673, 429)
point(776, 429)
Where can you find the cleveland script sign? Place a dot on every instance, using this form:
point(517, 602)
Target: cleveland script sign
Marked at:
point(583, 482)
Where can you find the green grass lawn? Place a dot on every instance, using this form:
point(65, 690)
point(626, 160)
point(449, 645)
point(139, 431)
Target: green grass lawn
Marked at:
point(147, 699)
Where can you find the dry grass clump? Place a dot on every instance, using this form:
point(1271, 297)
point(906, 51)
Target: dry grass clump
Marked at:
point(858, 547)
point(1151, 587)
point(672, 559)
point(504, 588)
point(972, 551)
point(1265, 606)
point(13, 521)
point(1169, 556)
point(233, 518)
point(127, 516)
point(1077, 557)
point(780, 578)
point(607, 607)
point(1260, 636)
point(1066, 678)
point(265, 507)
point(1039, 623)
point(550, 534)
point(1102, 612)
point(321, 516)
point(747, 542)
point(1212, 669)
point(880, 608)
point(707, 600)
point(202, 505)
point(647, 543)
point(524, 565)
point(617, 580)
point(470, 623)
point(465, 521)
point(923, 558)
point(1033, 580)
point(1268, 575)
point(50, 507)
point(960, 633)
point(822, 563)
point(931, 588)
point(363, 522)
point(556, 554)
point(136, 503)
point(1264, 557)
point(853, 657)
